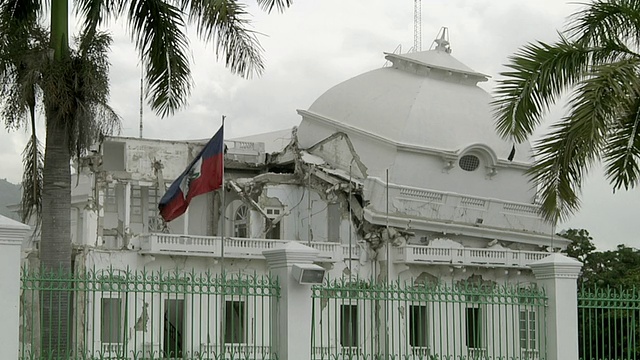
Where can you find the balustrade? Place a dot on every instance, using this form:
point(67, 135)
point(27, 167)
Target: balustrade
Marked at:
point(467, 256)
point(195, 245)
point(252, 249)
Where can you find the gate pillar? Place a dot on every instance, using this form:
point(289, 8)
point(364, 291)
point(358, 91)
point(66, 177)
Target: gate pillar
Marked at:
point(293, 313)
point(557, 274)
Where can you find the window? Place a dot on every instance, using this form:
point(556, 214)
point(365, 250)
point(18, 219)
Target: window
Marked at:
point(349, 325)
point(418, 326)
point(111, 320)
point(235, 319)
point(113, 156)
point(527, 329)
point(154, 221)
point(473, 328)
point(241, 222)
point(110, 198)
point(469, 162)
point(136, 204)
point(275, 230)
point(333, 219)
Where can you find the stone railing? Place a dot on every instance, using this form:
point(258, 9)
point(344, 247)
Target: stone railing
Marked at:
point(252, 152)
point(447, 207)
point(417, 254)
point(242, 248)
point(112, 349)
point(236, 351)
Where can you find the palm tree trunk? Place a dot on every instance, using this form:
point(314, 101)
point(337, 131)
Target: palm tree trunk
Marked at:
point(60, 28)
point(55, 244)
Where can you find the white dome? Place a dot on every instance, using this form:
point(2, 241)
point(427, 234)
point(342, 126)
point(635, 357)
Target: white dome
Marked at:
point(426, 99)
point(419, 119)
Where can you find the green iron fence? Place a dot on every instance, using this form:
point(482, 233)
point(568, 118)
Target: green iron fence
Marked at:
point(144, 314)
point(403, 321)
point(608, 324)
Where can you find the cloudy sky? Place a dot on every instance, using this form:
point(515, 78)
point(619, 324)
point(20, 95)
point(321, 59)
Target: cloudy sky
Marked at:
point(317, 44)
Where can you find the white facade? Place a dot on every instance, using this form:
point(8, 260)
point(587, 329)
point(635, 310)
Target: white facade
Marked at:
point(454, 209)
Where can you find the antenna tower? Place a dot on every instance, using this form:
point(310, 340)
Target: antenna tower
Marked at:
point(417, 25)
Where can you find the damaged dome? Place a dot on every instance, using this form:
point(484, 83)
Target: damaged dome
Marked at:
point(424, 111)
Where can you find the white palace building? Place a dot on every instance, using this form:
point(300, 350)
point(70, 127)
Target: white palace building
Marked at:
point(396, 174)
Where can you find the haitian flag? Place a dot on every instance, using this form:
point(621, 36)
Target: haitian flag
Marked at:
point(203, 175)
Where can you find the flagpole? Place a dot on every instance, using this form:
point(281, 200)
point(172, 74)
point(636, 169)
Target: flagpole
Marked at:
point(386, 307)
point(222, 205)
point(309, 208)
point(350, 223)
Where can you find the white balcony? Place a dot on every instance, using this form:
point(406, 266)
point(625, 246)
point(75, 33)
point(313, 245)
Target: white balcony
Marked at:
point(241, 248)
point(416, 254)
point(445, 211)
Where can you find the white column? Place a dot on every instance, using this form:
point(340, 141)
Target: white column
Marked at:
point(185, 227)
point(12, 233)
point(557, 274)
point(293, 340)
point(90, 227)
point(127, 206)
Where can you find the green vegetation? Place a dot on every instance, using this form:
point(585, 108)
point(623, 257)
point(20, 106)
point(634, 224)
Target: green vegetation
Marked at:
point(608, 298)
point(619, 268)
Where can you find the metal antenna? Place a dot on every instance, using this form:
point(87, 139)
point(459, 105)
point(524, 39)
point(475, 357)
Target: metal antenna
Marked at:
point(417, 25)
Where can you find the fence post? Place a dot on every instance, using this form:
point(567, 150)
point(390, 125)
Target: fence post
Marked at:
point(293, 312)
point(557, 274)
point(12, 233)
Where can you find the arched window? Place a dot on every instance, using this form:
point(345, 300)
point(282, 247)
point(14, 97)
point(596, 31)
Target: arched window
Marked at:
point(241, 222)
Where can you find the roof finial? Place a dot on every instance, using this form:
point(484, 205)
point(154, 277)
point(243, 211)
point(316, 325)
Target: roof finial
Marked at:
point(442, 40)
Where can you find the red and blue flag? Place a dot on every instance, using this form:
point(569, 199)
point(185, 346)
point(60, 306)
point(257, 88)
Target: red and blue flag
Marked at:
point(203, 175)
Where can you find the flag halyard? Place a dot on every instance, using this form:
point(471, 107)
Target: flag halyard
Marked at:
point(204, 174)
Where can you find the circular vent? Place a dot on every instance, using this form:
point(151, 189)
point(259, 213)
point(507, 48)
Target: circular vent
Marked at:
point(469, 162)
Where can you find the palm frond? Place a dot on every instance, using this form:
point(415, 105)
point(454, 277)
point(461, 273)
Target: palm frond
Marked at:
point(13, 112)
point(539, 74)
point(158, 30)
point(96, 12)
point(20, 12)
point(81, 99)
point(33, 165)
point(575, 144)
point(23, 49)
point(622, 152)
point(602, 22)
point(92, 117)
point(269, 5)
point(555, 181)
point(225, 23)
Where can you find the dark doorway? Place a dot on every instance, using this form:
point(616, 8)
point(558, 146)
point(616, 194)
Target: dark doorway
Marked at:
point(173, 338)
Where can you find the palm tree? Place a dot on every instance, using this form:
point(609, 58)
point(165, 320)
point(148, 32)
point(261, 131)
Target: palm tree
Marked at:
point(596, 59)
point(21, 63)
point(79, 87)
point(74, 92)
